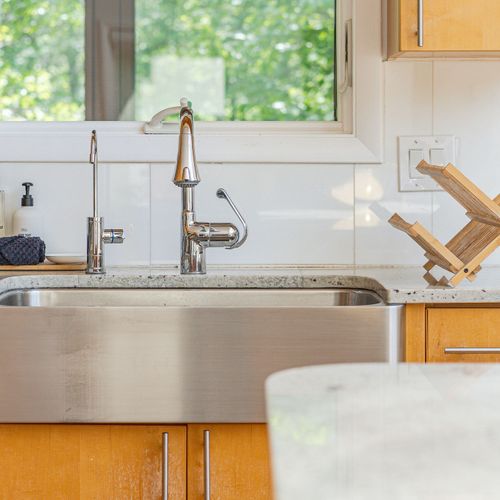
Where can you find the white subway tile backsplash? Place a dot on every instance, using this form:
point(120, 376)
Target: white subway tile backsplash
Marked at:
point(408, 102)
point(165, 215)
point(377, 198)
point(408, 111)
point(64, 195)
point(297, 214)
point(125, 203)
point(467, 103)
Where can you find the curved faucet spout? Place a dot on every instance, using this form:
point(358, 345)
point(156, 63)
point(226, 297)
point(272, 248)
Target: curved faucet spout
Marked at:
point(186, 171)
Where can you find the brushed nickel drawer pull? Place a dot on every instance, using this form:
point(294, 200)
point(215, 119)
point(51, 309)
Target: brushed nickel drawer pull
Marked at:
point(420, 23)
point(472, 350)
point(165, 466)
point(206, 465)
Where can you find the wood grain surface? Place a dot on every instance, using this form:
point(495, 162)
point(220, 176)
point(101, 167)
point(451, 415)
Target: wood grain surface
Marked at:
point(239, 460)
point(450, 25)
point(98, 462)
point(462, 327)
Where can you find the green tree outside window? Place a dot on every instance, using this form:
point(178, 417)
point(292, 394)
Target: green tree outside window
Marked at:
point(262, 59)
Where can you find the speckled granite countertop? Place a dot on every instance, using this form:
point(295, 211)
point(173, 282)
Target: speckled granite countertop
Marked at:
point(396, 285)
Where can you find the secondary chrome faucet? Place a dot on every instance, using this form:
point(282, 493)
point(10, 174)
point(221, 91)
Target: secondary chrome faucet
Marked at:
point(96, 235)
point(197, 236)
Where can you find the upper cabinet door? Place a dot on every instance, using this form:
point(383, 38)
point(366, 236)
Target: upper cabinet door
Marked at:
point(445, 26)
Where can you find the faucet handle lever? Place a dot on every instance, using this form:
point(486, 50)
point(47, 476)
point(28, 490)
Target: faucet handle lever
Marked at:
point(113, 236)
point(222, 193)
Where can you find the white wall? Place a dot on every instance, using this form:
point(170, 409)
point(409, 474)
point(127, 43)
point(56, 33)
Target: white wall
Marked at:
point(297, 214)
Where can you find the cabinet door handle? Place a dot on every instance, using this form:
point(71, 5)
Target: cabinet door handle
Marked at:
point(472, 350)
point(206, 463)
point(165, 466)
point(420, 29)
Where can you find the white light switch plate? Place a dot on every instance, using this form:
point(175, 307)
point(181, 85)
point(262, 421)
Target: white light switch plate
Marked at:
point(437, 150)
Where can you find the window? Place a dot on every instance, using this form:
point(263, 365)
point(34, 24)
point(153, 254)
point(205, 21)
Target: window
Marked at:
point(41, 60)
point(237, 60)
point(354, 137)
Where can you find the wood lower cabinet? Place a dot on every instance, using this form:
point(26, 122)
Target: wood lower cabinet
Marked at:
point(98, 462)
point(239, 462)
point(473, 332)
point(452, 334)
point(448, 26)
point(118, 462)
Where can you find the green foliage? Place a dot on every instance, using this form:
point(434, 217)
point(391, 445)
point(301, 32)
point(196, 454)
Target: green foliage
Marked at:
point(41, 60)
point(278, 54)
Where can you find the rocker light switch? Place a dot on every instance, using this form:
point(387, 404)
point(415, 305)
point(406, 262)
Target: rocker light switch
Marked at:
point(437, 150)
point(437, 156)
point(416, 156)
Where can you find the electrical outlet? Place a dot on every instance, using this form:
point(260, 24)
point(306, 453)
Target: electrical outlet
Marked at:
point(436, 150)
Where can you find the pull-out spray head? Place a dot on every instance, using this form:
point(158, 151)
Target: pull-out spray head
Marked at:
point(186, 172)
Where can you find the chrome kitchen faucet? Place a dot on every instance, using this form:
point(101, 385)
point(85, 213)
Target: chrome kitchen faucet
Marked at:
point(96, 235)
point(197, 236)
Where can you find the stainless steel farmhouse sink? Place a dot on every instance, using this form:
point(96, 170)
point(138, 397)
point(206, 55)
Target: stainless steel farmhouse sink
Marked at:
point(175, 355)
point(85, 297)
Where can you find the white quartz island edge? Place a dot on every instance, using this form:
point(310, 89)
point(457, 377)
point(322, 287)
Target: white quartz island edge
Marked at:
point(396, 285)
point(385, 432)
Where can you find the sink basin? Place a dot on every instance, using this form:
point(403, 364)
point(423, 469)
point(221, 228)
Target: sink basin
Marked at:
point(175, 355)
point(71, 297)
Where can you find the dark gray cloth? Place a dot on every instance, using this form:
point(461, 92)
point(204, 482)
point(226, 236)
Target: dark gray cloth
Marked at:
point(21, 250)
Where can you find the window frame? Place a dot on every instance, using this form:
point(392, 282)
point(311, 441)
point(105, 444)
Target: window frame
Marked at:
point(356, 139)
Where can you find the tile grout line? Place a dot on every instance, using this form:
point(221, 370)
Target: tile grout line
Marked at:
point(432, 212)
point(432, 97)
point(150, 216)
point(432, 133)
point(354, 253)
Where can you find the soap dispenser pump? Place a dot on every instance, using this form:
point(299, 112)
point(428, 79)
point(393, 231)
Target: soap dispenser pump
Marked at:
point(27, 220)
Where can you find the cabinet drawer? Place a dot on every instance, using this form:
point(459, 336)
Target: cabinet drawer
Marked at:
point(463, 335)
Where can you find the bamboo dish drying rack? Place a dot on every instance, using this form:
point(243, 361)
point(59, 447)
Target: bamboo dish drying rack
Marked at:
point(464, 253)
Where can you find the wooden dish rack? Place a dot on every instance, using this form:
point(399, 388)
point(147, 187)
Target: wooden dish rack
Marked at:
point(464, 253)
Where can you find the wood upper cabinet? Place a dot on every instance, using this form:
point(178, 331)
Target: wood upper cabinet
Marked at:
point(90, 462)
point(239, 462)
point(448, 26)
point(473, 332)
